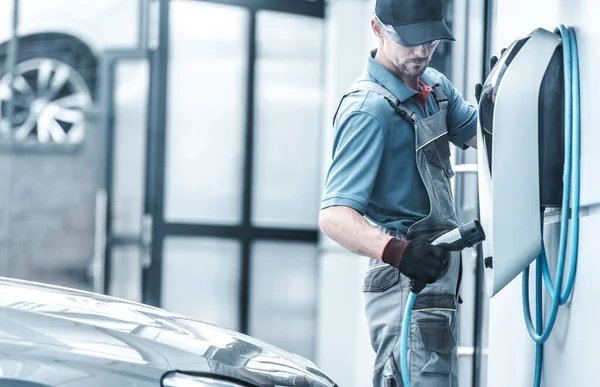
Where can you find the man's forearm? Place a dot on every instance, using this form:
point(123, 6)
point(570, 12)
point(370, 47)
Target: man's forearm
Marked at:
point(350, 230)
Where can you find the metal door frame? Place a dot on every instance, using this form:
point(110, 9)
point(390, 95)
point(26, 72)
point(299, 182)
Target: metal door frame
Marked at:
point(105, 238)
point(244, 232)
point(464, 167)
point(480, 292)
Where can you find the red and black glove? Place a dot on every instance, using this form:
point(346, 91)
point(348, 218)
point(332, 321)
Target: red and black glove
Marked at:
point(418, 259)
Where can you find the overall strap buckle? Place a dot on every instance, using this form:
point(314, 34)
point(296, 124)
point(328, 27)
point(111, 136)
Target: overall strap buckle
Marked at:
point(440, 96)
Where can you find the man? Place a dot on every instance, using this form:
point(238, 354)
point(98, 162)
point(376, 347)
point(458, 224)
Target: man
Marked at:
point(388, 190)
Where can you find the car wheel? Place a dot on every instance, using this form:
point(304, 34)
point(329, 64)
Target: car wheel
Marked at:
point(52, 88)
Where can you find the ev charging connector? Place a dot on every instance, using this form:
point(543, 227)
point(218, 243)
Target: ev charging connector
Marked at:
point(466, 235)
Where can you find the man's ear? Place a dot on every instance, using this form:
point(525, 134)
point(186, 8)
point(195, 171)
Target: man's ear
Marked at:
point(376, 27)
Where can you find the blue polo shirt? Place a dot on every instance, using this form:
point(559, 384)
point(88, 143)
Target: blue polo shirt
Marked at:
point(373, 168)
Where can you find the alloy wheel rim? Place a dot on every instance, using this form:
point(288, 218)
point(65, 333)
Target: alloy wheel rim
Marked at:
point(49, 100)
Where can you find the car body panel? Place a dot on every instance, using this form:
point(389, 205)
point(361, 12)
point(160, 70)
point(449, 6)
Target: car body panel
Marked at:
point(55, 335)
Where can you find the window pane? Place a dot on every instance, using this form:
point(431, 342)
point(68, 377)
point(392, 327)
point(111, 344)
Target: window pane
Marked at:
point(206, 112)
point(200, 279)
point(283, 295)
point(287, 120)
point(465, 373)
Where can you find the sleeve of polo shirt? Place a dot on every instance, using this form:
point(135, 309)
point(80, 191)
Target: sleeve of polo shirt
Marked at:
point(462, 116)
point(357, 153)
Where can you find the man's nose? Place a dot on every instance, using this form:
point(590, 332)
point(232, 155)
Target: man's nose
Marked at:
point(421, 51)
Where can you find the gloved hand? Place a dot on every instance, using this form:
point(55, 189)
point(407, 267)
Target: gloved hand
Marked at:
point(479, 86)
point(417, 259)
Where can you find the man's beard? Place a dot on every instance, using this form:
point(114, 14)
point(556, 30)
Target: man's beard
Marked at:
point(408, 68)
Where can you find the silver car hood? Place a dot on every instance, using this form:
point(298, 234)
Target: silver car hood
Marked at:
point(58, 336)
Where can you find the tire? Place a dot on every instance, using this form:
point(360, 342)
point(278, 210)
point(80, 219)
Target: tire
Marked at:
point(54, 86)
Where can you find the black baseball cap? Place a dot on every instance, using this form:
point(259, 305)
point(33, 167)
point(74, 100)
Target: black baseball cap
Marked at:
point(416, 21)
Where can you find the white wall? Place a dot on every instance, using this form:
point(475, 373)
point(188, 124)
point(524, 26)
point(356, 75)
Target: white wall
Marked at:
point(569, 355)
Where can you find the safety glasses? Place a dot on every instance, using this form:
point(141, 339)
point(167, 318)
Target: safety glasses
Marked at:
point(396, 38)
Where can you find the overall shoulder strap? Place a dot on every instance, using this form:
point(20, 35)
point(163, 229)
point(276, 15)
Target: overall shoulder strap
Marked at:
point(365, 84)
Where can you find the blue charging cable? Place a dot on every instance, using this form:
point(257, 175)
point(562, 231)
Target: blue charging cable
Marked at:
point(404, 339)
point(571, 184)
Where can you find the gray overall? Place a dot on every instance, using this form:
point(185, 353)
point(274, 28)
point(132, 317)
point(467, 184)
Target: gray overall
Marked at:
point(433, 356)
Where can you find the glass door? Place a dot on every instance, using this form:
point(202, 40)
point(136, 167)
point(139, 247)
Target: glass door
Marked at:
point(231, 196)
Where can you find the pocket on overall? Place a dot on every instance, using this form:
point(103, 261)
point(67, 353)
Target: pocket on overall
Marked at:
point(380, 277)
point(437, 339)
point(435, 345)
point(438, 150)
